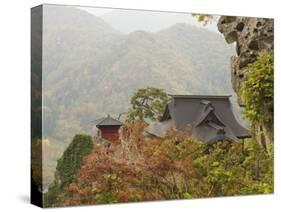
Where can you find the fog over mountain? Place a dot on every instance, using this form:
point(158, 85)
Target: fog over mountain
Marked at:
point(92, 67)
point(127, 21)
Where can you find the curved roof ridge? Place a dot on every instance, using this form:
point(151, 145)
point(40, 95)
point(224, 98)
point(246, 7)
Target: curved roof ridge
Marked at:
point(109, 121)
point(207, 110)
point(200, 96)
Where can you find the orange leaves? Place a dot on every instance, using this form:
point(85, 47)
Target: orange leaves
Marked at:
point(73, 188)
point(137, 168)
point(140, 168)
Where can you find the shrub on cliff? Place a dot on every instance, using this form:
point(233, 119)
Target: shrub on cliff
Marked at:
point(68, 166)
point(257, 90)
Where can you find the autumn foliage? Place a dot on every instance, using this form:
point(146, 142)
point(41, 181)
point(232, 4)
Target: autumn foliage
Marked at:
point(144, 168)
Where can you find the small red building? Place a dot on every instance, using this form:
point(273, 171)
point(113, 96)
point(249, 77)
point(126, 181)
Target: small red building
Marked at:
point(108, 128)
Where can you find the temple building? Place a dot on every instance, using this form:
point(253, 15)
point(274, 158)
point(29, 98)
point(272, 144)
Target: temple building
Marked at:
point(108, 128)
point(207, 118)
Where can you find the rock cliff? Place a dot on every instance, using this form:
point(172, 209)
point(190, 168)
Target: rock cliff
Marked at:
point(252, 37)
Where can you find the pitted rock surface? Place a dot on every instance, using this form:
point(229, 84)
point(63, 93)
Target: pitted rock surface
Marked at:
point(252, 36)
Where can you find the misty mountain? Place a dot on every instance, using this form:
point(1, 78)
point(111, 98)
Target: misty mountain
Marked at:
point(128, 21)
point(91, 69)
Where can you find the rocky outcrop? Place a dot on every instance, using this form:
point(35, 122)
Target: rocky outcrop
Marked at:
point(252, 37)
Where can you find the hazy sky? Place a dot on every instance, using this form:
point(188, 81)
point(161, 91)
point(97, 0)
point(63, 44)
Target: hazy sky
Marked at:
point(96, 11)
point(131, 20)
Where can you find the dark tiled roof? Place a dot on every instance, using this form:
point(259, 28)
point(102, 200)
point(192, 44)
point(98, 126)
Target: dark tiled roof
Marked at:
point(211, 117)
point(159, 129)
point(200, 96)
point(108, 121)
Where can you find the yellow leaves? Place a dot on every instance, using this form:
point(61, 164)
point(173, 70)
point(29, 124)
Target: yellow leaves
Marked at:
point(95, 187)
point(169, 168)
point(186, 195)
point(215, 164)
point(203, 18)
point(110, 176)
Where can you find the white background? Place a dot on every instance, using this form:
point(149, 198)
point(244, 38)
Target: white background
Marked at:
point(15, 102)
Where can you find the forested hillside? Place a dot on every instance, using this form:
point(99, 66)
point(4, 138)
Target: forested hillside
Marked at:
point(91, 69)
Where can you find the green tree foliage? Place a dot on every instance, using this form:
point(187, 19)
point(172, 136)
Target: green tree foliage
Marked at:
point(148, 103)
point(88, 61)
point(175, 167)
point(257, 90)
point(235, 169)
point(204, 18)
point(71, 160)
point(68, 166)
